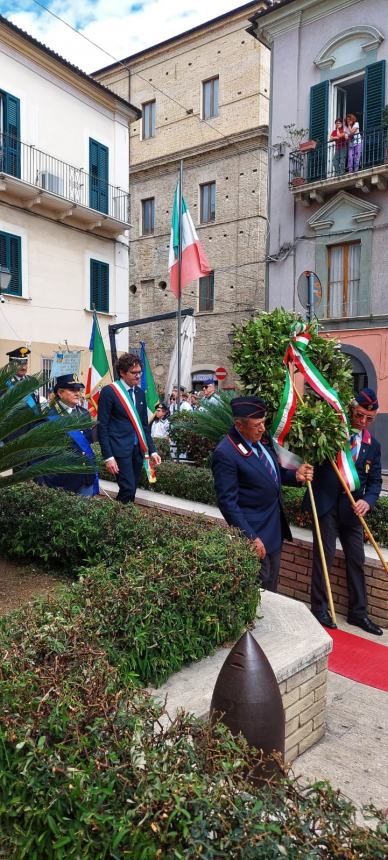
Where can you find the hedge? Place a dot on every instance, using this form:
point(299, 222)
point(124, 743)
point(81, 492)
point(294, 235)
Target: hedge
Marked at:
point(158, 592)
point(90, 768)
point(196, 484)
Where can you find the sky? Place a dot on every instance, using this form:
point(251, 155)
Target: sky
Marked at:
point(121, 27)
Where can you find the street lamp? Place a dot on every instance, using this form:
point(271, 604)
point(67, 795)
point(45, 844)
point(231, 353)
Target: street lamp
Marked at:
point(5, 280)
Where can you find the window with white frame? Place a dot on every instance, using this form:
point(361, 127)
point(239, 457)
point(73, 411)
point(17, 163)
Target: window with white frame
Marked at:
point(149, 111)
point(147, 216)
point(210, 98)
point(343, 285)
point(207, 202)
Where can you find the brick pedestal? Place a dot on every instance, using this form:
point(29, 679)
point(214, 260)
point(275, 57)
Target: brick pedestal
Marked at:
point(295, 576)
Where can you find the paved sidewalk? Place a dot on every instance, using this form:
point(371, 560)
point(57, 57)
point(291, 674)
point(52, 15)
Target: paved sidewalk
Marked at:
point(353, 754)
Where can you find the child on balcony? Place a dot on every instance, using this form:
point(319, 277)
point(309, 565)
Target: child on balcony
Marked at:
point(340, 137)
point(352, 129)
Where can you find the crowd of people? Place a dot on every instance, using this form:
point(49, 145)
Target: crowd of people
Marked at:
point(247, 474)
point(347, 140)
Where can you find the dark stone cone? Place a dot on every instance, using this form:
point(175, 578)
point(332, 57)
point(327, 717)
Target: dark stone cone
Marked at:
point(247, 699)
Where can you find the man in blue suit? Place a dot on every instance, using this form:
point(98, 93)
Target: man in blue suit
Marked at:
point(338, 519)
point(119, 441)
point(248, 481)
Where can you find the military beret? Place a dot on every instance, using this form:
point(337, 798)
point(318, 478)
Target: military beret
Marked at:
point(68, 380)
point(209, 381)
point(367, 399)
point(248, 407)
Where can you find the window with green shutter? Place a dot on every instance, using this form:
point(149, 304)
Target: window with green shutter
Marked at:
point(9, 134)
point(319, 108)
point(99, 174)
point(374, 100)
point(99, 286)
point(11, 259)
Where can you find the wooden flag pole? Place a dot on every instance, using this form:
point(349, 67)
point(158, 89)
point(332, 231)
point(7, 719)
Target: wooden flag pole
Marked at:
point(319, 536)
point(362, 521)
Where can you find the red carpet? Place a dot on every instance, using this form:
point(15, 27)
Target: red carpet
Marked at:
point(359, 659)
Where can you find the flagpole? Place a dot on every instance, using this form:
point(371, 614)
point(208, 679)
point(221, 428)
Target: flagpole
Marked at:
point(179, 310)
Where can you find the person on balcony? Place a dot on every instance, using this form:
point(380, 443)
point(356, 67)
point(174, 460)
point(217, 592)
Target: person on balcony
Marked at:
point(341, 145)
point(352, 129)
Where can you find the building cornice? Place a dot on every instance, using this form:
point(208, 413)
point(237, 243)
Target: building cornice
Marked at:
point(258, 136)
point(188, 35)
point(36, 52)
point(269, 25)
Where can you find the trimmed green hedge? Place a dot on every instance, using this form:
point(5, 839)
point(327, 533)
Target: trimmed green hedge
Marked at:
point(157, 591)
point(90, 768)
point(185, 482)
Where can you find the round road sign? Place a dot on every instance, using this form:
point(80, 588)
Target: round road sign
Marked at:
point(221, 373)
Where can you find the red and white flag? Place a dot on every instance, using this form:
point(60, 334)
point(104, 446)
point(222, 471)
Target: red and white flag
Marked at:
point(194, 261)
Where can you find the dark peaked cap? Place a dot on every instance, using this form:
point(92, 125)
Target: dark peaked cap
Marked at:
point(248, 407)
point(367, 399)
point(21, 353)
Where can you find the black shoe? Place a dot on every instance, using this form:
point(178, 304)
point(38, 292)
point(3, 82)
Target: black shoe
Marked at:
point(325, 619)
point(365, 623)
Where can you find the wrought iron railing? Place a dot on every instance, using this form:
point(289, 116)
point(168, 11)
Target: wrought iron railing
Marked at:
point(39, 169)
point(331, 160)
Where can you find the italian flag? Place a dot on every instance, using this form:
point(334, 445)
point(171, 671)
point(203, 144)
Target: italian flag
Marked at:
point(98, 373)
point(148, 384)
point(194, 260)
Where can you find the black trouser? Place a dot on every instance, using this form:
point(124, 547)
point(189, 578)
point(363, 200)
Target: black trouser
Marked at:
point(352, 541)
point(269, 571)
point(129, 474)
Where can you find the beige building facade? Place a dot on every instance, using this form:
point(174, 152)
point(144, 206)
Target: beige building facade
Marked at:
point(204, 98)
point(63, 202)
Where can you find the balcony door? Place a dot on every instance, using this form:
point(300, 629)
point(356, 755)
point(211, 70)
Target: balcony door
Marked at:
point(9, 134)
point(99, 173)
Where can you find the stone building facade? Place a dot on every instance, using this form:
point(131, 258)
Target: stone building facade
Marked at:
point(204, 97)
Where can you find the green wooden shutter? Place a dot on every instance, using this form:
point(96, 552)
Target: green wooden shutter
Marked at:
point(374, 99)
point(374, 95)
point(11, 258)
point(99, 173)
point(11, 131)
point(99, 286)
point(319, 110)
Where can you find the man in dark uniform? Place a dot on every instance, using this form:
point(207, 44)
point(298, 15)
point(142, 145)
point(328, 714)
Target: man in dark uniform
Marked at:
point(66, 402)
point(120, 444)
point(248, 481)
point(338, 519)
point(19, 359)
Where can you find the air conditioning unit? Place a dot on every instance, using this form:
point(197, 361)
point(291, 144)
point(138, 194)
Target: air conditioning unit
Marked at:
point(52, 182)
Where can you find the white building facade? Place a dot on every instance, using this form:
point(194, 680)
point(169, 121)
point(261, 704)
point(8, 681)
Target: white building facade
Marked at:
point(64, 202)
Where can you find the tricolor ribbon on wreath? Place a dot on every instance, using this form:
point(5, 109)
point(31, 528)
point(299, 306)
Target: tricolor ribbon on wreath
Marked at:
point(296, 353)
point(127, 403)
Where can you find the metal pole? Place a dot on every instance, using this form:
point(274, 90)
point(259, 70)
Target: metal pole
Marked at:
point(310, 299)
point(113, 350)
point(179, 312)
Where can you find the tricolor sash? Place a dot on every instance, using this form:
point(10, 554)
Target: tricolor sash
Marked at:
point(127, 403)
point(296, 353)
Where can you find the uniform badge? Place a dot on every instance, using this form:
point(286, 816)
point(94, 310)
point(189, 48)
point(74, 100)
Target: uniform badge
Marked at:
point(367, 466)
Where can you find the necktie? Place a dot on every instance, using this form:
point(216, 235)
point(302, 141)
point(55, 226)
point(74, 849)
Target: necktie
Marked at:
point(266, 460)
point(353, 446)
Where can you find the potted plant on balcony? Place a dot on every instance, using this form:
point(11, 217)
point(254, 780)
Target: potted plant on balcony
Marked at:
point(293, 138)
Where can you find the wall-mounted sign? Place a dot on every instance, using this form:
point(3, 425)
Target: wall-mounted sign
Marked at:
point(65, 362)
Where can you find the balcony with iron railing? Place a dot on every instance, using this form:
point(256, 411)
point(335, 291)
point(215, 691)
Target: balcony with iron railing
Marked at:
point(63, 191)
point(318, 173)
